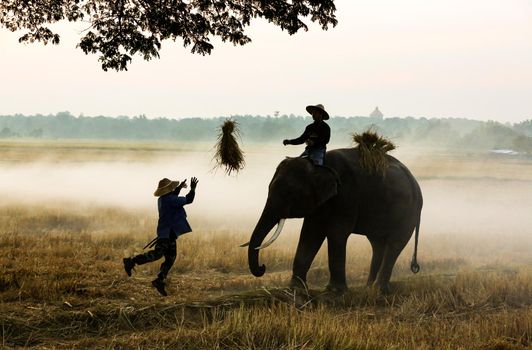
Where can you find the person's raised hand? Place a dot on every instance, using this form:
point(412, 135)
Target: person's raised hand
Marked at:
point(183, 184)
point(193, 183)
point(285, 142)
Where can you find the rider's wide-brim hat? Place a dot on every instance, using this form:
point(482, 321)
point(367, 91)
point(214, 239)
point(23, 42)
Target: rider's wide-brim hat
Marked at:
point(165, 186)
point(318, 109)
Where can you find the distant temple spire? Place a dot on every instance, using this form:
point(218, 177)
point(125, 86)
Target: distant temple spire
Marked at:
point(376, 114)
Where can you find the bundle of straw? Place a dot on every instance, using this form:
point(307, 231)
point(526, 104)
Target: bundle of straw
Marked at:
point(228, 153)
point(372, 150)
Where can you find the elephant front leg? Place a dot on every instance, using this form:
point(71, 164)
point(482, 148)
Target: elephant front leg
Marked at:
point(336, 245)
point(310, 241)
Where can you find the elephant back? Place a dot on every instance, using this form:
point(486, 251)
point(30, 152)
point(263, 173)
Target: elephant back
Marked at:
point(346, 162)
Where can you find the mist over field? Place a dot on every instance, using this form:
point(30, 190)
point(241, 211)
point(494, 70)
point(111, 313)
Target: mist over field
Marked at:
point(487, 197)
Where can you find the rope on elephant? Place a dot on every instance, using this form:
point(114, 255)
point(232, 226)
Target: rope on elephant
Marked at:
point(372, 149)
point(228, 153)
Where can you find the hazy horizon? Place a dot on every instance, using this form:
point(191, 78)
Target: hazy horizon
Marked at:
point(414, 58)
point(82, 114)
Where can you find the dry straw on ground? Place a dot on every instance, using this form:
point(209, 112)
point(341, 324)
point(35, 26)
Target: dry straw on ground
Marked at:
point(62, 285)
point(228, 153)
point(372, 151)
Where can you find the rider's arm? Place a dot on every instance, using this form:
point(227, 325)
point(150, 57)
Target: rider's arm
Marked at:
point(301, 139)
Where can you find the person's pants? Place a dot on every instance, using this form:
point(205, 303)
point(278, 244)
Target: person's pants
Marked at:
point(315, 154)
point(164, 247)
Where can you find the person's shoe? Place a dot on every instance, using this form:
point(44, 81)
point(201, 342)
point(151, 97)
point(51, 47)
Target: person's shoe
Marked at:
point(129, 264)
point(159, 285)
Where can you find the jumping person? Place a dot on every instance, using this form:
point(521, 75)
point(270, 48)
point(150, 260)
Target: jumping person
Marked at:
point(172, 224)
point(316, 135)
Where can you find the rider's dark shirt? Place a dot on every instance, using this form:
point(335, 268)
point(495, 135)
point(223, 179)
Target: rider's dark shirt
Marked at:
point(318, 132)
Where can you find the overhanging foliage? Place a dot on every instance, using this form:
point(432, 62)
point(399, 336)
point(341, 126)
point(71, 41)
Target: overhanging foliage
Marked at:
point(118, 29)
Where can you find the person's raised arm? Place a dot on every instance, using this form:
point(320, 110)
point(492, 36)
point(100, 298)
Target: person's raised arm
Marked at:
point(183, 184)
point(192, 193)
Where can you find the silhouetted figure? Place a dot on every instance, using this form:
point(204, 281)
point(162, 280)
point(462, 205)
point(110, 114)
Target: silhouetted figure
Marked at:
point(172, 224)
point(316, 135)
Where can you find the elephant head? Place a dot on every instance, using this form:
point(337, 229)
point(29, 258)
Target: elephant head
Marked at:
point(297, 189)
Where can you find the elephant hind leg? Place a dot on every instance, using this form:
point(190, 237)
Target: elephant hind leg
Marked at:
point(391, 253)
point(378, 248)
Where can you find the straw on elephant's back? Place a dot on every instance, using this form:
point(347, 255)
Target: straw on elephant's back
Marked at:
point(372, 151)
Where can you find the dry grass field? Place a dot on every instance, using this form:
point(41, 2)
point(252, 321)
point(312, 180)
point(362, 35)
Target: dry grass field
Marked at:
point(62, 285)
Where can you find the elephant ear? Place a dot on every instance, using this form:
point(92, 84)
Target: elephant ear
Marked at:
point(326, 182)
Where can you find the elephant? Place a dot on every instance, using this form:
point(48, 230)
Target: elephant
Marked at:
point(336, 200)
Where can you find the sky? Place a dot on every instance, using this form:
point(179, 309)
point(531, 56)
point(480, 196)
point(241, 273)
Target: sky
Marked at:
point(419, 58)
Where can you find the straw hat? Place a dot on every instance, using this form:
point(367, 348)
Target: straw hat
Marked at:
point(165, 186)
point(320, 109)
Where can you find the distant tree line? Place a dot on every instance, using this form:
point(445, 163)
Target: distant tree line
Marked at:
point(445, 132)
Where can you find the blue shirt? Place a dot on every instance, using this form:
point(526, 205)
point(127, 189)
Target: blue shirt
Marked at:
point(172, 216)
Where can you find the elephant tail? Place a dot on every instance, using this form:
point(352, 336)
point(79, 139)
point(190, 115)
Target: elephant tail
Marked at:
point(414, 266)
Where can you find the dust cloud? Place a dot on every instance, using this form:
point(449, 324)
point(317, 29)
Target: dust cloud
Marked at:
point(483, 204)
point(225, 200)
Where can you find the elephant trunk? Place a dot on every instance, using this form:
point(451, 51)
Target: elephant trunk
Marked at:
point(266, 222)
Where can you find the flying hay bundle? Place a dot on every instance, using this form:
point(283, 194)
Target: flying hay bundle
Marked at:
point(372, 151)
point(228, 153)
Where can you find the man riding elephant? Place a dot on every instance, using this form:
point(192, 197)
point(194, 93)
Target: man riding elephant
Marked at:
point(362, 190)
point(316, 135)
